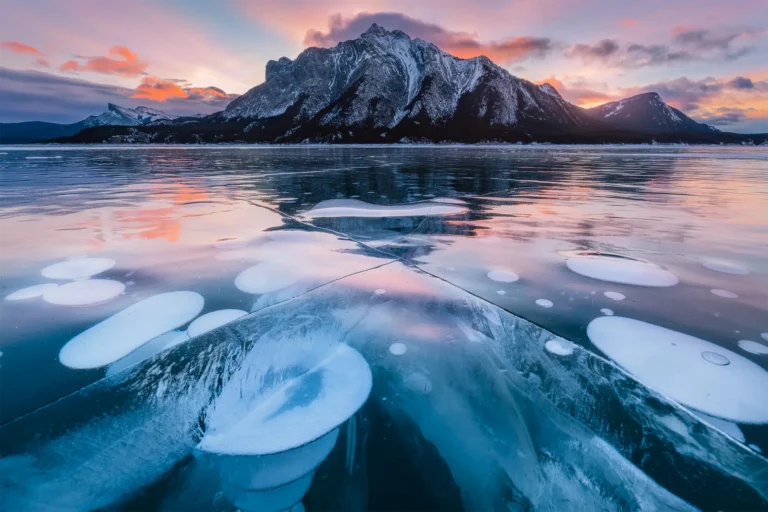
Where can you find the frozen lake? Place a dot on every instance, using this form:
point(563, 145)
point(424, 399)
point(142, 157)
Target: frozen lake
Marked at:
point(507, 327)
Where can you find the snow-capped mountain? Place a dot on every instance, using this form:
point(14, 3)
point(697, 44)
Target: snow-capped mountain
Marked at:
point(647, 113)
point(385, 81)
point(124, 116)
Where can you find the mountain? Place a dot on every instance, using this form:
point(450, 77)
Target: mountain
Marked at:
point(32, 131)
point(647, 113)
point(387, 85)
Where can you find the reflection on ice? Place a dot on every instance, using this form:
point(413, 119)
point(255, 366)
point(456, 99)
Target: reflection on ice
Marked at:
point(124, 332)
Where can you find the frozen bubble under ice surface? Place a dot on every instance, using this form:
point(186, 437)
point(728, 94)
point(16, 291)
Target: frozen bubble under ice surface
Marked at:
point(84, 293)
point(619, 269)
point(30, 292)
point(77, 268)
point(212, 320)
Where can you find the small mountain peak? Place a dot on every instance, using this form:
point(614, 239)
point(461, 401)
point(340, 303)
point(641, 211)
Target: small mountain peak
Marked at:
point(113, 108)
point(376, 30)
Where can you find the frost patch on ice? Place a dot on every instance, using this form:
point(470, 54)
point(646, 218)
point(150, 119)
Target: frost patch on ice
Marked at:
point(302, 410)
point(84, 293)
point(31, 292)
point(398, 349)
point(724, 293)
point(78, 268)
point(545, 303)
point(212, 320)
point(615, 295)
point(357, 208)
point(147, 350)
point(672, 363)
point(617, 269)
point(559, 347)
point(725, 266)
point(753, 347)
point(124, 332)
point(268, 277)
point(607, 312)
point(502, 276)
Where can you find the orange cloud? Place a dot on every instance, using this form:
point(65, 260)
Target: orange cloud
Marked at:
point(42, 62)
point(127, 63)
point(18, 47)
point(628, 23)
point(157, 89)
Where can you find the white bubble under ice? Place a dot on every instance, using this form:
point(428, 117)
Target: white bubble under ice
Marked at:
point(673, 364)
point(559, 347)
point(276, 425)
point(149, 349)
point(398, 349)
point(606, 311)
point(357, 208)
point(212, 320)
point(544, 303)
point(724, 266)
point(77, 268)
point(753, 347)
point(124, 332)
point(267, 277)
point(615, 295)
point(724, 293)
point(84, 293)
point(764, 336)
point(621, 270)
point(502, 276)
point(30, 292)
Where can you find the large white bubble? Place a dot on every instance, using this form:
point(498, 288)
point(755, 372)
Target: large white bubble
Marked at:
point(267, 277)
point(84, 293)
point(357, 208)
point(724, 266)
point(124, 332)
point(753, 347)
point(616, 269)
point(212, 320)
point(77, 268)
point(338, 387)
point(31, 292)
point(149, 349)
point(503, 276)
point(692, 371)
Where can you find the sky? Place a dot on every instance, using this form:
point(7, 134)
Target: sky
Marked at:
point(62, 60)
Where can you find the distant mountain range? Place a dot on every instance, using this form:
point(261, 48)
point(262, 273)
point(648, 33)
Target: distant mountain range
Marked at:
point(386, 87)
point(35, 131)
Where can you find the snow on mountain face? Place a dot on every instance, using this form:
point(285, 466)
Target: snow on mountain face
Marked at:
point(647, 113)
point(384, 79)
point(123, 116)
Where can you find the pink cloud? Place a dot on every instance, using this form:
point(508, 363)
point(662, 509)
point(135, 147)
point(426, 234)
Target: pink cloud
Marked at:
point(159, 89)
point(127, 63)
point(18, 47)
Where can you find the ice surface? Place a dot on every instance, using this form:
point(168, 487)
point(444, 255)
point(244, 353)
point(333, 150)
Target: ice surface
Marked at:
point(77, 268)
point(622, 270)
point(84, 293)
point(672, 363)
point(725, 266)
point(302, 410)
point(753, 347)
point(615, 295)
point(357, 208)
point(212, 320)
point(124, 332)
point(31, 292)
point(502, 276)
point(724, 293)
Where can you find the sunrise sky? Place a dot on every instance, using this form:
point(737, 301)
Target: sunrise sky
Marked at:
point(63, 60)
